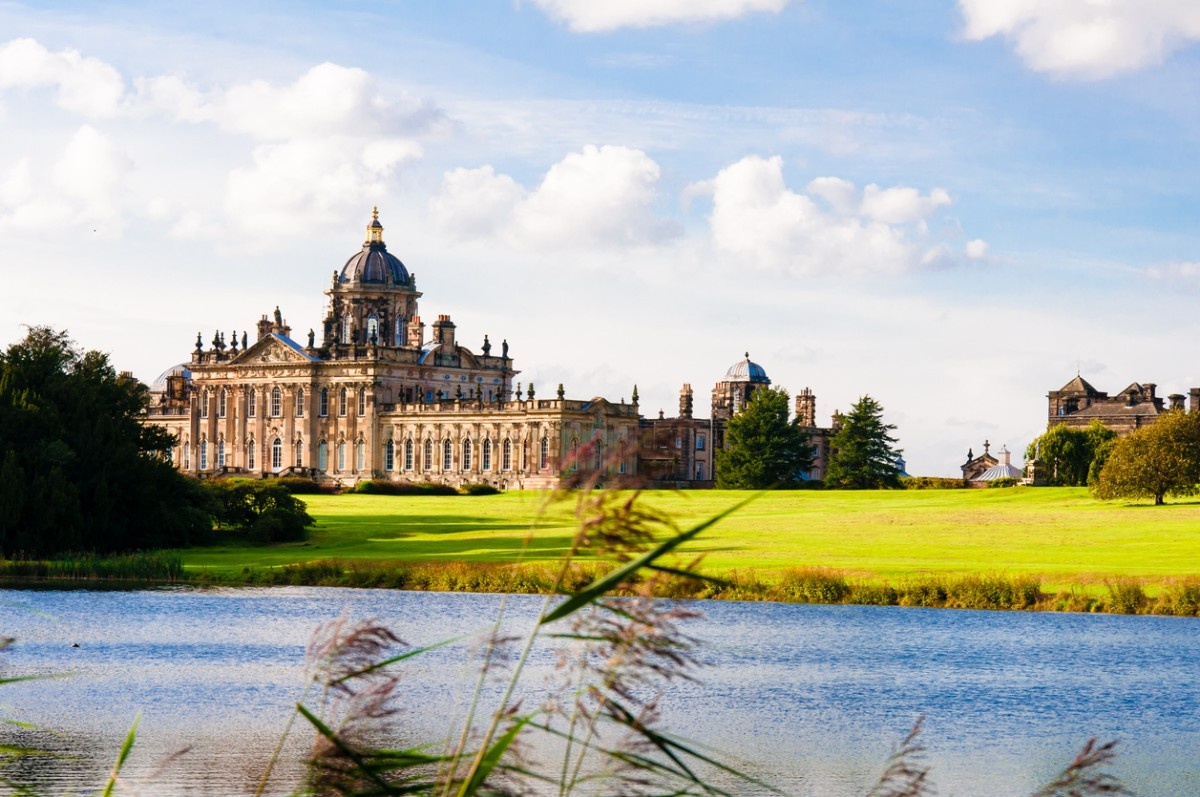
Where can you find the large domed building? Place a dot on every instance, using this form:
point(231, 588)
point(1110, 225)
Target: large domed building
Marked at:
point(375, 399)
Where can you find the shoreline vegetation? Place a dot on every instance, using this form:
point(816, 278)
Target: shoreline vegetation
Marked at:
point(1028, 549)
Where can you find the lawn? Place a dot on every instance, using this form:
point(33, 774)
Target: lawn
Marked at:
point(1059, 534)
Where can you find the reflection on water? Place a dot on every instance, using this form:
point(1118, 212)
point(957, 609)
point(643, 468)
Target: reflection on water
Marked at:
point(812, 698)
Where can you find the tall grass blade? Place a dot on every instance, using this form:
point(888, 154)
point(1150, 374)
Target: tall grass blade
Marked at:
point(122, 756)
point(491, 759)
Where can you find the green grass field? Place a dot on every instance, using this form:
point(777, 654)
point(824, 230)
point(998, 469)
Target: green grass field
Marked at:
point(1058, 534)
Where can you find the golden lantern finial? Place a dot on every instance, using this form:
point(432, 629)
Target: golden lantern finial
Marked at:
point(374, 229)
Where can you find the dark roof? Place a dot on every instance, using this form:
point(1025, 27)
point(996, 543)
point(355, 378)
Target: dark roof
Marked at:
point(1079, 385)
point(1117, 408)
point(374, 265)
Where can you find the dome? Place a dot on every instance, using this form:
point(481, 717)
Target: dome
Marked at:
point(159, 385)
point(746, 371)
point(374, 265)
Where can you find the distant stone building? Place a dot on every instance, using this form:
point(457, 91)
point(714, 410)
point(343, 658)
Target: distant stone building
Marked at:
point(999, 469)
point(975, 466)
point(1077, 404)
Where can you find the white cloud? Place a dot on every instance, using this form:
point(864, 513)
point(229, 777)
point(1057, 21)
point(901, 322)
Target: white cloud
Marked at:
point(1086, 39)
point(755, 215)
point(1186, 272)
point(590, 16)
point(977, 249)
point(86, 86)
point(598, 197)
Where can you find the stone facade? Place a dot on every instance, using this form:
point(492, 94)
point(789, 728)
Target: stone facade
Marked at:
point(1077, 404)
point(376, 400)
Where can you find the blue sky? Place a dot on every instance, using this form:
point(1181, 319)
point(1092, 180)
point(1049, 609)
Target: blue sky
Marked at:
point(950, 206)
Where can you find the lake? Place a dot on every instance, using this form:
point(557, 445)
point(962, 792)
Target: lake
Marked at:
point(810, 698)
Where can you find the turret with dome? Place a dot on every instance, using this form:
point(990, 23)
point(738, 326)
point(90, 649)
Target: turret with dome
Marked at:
point(734, 390)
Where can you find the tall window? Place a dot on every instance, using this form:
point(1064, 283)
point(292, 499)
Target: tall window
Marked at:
point(362, 401)
point(408, 454)
point(323, 402)
point(222, 401)
point(252, 403)
point(466, 457)
point(187, 453)
point(399, 338)
point(276, 402)
point(699, 442)
point(341, 455)
point(204, 403)
point(203, 455)
point(598, 456)
point(299, 453)
point(506, 454)
point(346, 328)
point(574, 455)
point(485, 455)
point(360, 455)
point(544, 453)
point(389, 455)
point(322, 456)
point(276, 455)
point(251, 454)
point(373, 329)
point(221, 453)
point(447, 454)
point(427, 454)
point(342, 401)
point(299, 402)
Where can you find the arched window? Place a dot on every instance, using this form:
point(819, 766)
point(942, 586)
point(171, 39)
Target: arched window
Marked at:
point(203, 455)
point(187, 453)
point(399, 338)
point(544, 453)
point(598, 456)
point(408, 454)
point(342, 402)
point(251, 454)
point(252, 403)
point(276, 402)
point(322, 456)
point(299, 402)
point(221, 453)
point(360, 455)
point(323, 402)
point(389, 455)
point(427, 455)
point(362, 401)
point(341, 455)
point(204, 403)
point(485, 456)
point(276, 455)
point(222, 402)
point(466, 455)
point(574, 454)
point(346, 328)
point(299, 453)
point(506, 454)
point(373, 329)
point(447, 454)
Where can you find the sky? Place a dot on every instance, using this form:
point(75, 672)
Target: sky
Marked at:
point(952, 207)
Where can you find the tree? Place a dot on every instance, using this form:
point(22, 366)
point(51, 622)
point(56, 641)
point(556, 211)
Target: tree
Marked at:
point(1155, 461)
point(78, 469)
point(762, 448)
point(1072, 457)
point(861, 453)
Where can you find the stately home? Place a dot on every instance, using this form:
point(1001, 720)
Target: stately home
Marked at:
point(1077, 404)
point(375, 398)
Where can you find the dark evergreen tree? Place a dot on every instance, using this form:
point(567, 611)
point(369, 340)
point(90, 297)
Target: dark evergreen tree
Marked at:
point(762, 448)
point(78, 469)
point(862, 456)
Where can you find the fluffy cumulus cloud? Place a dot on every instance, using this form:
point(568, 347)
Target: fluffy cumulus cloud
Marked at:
point(590, 16)
point(600, 196)
point(1086, 39)
point(86, 86)
point(831, 226)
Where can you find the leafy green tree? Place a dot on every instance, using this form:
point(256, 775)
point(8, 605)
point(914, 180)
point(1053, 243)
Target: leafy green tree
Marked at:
point(1072, 457)
point(265, 510)
point(762, 448)
point(1155, 461)
point(861, 455)
point(78, 469)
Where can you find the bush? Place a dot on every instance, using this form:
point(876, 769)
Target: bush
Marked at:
point(265, 510)
point(478, 489)
point(373, 487)
point(1126, 596)
point(1005, 482)
point(932, 483)
point(298, 485)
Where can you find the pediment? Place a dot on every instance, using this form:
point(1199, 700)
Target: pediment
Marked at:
point(273, 349)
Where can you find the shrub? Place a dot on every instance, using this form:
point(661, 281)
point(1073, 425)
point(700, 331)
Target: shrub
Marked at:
point(1008, 481)
point(382, 487)
point(1126, 596)
point(932, 483)
point(478, 489)
point(813, 585)
point(298, 485)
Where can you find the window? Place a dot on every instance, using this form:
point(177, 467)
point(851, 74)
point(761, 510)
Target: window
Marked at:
point(360, 455)
point(299, 402)
point(598, 456)
point(250, 454)
point(506, 454)
point(187, 453)
point(679, 442)
point(362, 401)
point(399, 339)
point(427, 455)
point(486, 455)
point(221, 453)
point(299, 453)
point(699, 442)
point(447, 454)
point(322, 456)
point(544, 453)
point(276, 455)
point(342, 402)
point(341, 455)
point(222, 403)
point(373, 329)
point(574, 455)
point(323, 402)
point(204, 403)
point(346, 328)
point(252, 403)
point(466, 455)
point(389, 455)
point(408, 454)
point(276, 402)
point(203, 455)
